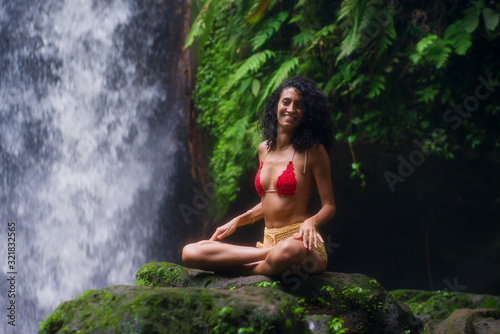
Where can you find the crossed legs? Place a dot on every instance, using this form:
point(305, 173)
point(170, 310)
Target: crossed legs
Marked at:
point(219, 256)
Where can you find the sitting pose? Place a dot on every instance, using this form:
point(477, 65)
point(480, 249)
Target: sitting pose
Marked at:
point(298, 128)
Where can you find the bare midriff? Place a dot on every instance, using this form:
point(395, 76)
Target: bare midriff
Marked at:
point(279, 210)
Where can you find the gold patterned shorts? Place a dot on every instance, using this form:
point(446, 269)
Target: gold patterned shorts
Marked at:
point(272, 236)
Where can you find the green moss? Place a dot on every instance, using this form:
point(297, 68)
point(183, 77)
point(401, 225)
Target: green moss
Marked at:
point(161, 274)
point(166, 274)
point(355, 298)
point(266, 284)
point(491, 303)
point(126, 309)
point(438, 305)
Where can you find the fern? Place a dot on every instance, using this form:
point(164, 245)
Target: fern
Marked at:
point(438, 53)
point(270, 27)
point(202, 23)
point(196, 30)
point(257, 11)
point(319, 35)
point(377, 85)
point(458, 37)
point(303, 38)
point(427, 94)
point(251, 64)
point(282, 73)
point(425, 42)
point(352, 16)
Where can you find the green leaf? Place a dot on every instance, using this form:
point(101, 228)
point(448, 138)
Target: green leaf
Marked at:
point(356, 120)
point(296, 18)
point(299, 4)
point(351, 138)
point(255, 87)
point(471, 19)
point(356, 165)
point(490, 19)
point(244, 85)
point(415, 58)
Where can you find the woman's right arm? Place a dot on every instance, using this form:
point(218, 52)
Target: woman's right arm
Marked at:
point(248, 217)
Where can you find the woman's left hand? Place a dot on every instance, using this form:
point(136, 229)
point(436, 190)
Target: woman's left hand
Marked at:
point(309, 235)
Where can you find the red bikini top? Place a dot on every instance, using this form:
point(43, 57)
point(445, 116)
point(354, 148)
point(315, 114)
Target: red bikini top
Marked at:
point(286, 183)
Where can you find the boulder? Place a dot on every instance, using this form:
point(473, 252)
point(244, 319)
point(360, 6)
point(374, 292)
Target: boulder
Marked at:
point(453, 312)
point(170, 298)
point(356, 301)
point(141, 309)
point(468, 321)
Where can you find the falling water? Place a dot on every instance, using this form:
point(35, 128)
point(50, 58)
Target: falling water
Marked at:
point(90, 136)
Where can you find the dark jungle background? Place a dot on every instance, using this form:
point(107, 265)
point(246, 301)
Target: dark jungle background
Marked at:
point(414, 88)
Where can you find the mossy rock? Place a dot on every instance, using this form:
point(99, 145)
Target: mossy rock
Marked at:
point(361, 302)
point(436, 306)
point(170, 298)
point(129, 309)
point(468, 321)
point(166, 274)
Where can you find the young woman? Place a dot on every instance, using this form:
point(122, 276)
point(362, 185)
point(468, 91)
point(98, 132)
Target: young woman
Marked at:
point(297, 125)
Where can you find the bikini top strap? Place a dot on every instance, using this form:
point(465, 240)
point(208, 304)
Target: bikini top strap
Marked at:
point(305, 164)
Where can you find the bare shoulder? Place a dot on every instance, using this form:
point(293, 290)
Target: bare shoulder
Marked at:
point(318, 153)
point(262, 149)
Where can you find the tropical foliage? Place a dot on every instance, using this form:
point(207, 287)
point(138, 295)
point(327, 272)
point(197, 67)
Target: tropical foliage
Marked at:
point(393, 71)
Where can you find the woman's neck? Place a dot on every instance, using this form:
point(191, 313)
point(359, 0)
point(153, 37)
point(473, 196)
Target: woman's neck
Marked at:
point(283, 140)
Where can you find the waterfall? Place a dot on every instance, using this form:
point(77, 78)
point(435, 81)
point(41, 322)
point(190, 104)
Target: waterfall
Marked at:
point(91, 134)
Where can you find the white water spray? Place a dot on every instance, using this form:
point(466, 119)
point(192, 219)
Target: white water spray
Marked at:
point(76, 153)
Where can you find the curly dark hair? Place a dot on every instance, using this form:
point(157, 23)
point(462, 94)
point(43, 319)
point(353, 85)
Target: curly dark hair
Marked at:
point(317, 126)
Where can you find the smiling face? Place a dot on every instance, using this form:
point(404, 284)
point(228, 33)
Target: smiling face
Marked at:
point(290, 109)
